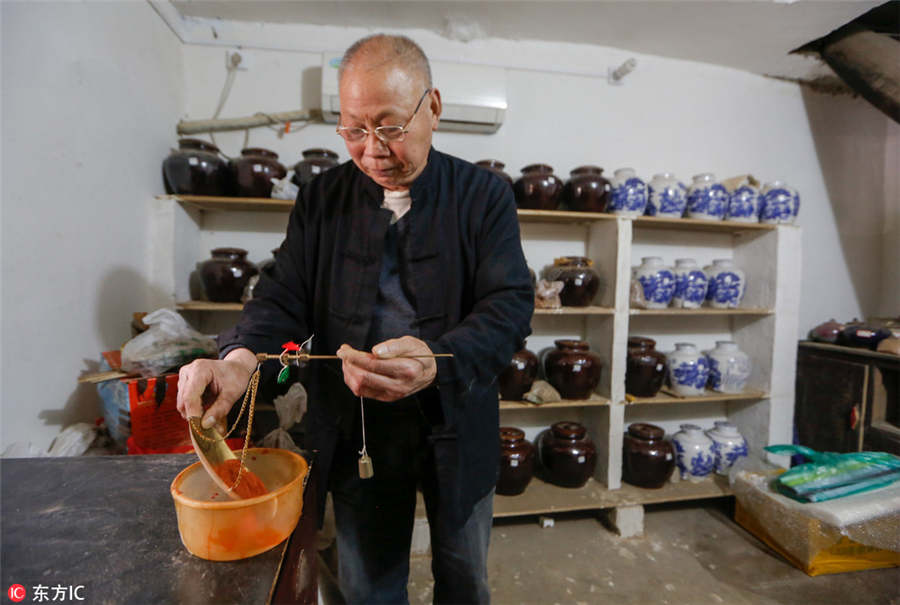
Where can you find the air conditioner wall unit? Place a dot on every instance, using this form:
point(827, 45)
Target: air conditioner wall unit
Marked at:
point(474, 96)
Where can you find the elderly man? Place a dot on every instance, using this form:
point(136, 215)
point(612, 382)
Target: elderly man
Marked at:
point(404, 251)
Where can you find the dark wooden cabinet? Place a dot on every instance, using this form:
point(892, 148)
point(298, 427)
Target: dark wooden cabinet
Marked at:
point(847, 399)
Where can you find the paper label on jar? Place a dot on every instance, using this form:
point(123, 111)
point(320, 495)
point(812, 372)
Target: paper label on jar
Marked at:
point(578, 281)
point(580, 459)
point(315, 169)
point(257, 167)
point(668, 456)
point(514, 463)
point(193, 161)
point(576, 367)
point(659, 366)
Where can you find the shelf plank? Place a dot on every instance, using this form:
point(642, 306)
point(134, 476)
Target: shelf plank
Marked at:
point(576, 311)
point(666, 397)
point(251, 204)
point(862, 352)
point(205, 305)
point(704, 311)
point(541, 497)
point(565, 403)
point(693, 224)
point(562, 216)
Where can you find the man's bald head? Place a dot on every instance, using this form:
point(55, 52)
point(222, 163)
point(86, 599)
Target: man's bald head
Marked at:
point(380, 51)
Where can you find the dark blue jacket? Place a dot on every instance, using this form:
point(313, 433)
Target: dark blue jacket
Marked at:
point(468, 282)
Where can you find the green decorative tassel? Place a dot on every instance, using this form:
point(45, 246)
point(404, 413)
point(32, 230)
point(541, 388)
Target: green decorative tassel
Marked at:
point(284, 374)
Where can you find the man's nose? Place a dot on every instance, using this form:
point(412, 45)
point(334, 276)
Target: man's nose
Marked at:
point(375, 147)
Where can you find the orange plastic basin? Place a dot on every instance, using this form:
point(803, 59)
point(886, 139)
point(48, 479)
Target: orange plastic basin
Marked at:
point(214, 527)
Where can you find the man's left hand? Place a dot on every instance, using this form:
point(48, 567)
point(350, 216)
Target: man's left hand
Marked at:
point(388, 373)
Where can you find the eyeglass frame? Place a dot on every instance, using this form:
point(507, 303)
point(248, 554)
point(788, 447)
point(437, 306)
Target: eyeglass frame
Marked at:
point(404, 130)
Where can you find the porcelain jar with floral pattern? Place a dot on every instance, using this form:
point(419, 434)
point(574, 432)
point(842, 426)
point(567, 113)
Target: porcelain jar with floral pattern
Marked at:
point(688, 370)
point(728, 445)
point(706, 199)
point(657, 281)
point(726, 284)
point(743, 204)
point(690, 284)
point(779, 203)
point(729, 367)
point(629, 194)
point(667, 196)
point(693, 453)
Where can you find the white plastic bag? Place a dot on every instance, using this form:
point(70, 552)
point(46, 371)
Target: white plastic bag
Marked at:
point(290, 408)
point(170, 342)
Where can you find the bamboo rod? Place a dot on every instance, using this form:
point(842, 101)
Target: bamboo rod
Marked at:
point(254, 121)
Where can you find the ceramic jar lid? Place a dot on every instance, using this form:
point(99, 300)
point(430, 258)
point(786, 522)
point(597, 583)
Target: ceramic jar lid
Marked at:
point(510, 434)
point(568, 430)
point(647, 432)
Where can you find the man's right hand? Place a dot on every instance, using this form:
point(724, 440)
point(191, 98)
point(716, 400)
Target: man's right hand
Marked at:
point(218, 383)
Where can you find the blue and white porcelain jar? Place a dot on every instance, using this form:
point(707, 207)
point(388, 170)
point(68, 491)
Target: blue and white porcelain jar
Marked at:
point(727, 284)
point(743, 204)
point(690, 284)
point(729, 367)
point(728, 445)
point(693, 453)
point(779, 203)
point(666, 196)
point(657, 282)
point(707, 199)
point(688, 370)
point(629, 194)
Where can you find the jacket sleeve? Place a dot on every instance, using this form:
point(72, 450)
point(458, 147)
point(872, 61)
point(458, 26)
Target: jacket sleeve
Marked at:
point(280, 308)
point(485, 340)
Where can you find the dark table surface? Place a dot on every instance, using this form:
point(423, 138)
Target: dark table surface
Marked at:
point(108, 523)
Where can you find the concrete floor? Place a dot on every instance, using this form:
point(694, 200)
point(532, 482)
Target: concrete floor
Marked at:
point(689, 554)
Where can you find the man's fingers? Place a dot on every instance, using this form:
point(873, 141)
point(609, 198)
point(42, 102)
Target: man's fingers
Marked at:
point(217, 411)
point(395, 347)
point(192, 382)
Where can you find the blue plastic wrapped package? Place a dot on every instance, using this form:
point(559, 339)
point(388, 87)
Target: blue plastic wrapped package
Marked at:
point(116, 407)
point(829, 475)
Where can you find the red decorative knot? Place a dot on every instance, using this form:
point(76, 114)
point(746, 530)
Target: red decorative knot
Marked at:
point(291, 346)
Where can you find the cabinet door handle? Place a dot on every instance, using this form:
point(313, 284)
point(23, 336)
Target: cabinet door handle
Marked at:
point(854, 417)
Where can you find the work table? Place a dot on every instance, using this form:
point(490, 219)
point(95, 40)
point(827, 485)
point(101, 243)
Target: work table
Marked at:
point(108, 523)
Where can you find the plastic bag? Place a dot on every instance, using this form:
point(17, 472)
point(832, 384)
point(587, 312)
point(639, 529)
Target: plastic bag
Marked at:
point(74, 440)
point(284, 189)
point(831, 475)
point(169, 343)
point(290, 408)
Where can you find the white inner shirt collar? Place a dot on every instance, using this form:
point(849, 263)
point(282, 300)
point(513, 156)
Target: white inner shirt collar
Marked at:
point(397, 202)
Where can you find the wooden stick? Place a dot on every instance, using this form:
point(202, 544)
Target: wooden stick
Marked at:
point(307, 357)
point(255, 121)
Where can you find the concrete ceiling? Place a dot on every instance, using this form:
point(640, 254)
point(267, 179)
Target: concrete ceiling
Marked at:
point(754, 36)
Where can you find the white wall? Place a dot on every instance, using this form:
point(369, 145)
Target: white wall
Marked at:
point(91, 94)
point(669, 115)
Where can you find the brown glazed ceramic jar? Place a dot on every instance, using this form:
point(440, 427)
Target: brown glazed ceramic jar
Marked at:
point(567, 455)
point(314, 163)
point(538, 188)
point(251, 172)
point(586, 190)
point(581, 283)
point(226, 273)
point(645, 369)
point(647, 458)
point(830, 331)
point(195, 168)
point(573, 369)
point(496, 166)
point(516, 462)
point(517, 378)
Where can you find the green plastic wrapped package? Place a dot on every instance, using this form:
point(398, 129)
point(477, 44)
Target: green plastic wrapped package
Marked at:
point(829, 475)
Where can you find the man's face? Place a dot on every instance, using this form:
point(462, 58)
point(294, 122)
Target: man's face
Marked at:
point(387, 96)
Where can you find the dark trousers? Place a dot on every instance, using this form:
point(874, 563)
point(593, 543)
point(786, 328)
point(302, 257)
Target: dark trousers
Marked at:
point(374, 517)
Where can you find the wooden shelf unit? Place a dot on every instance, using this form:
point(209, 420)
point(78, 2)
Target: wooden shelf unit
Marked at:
point(763, 414)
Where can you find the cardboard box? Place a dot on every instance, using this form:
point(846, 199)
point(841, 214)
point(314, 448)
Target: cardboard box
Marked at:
point(847, 534)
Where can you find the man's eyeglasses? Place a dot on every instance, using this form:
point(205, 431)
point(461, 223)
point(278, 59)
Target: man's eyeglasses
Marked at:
point(386, 134)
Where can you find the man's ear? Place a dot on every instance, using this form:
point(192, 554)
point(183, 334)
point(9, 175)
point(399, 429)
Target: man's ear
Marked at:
point(436, 107)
